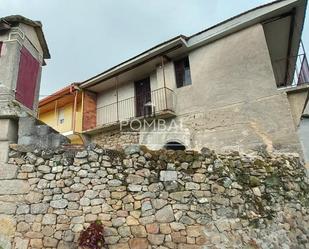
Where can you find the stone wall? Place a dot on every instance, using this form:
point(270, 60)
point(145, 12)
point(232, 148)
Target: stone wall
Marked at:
point(154, 199)
point(115, 139)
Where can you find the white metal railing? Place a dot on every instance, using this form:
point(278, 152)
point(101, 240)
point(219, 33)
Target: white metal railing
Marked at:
point(162, 99)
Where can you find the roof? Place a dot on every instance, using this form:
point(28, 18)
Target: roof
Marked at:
point(37, 25)
point(227, 27)
point(60, 93)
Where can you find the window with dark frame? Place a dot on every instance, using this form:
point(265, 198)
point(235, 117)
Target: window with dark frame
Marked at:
point(0, 47)
point(182, 72)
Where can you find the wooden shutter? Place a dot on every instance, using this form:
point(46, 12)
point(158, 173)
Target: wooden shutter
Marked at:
point(27, 78)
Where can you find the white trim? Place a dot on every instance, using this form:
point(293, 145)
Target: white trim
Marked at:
point(67, 133)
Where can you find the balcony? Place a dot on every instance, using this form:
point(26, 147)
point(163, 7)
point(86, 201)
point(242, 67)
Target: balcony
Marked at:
point(160, 104)
point(292, 71)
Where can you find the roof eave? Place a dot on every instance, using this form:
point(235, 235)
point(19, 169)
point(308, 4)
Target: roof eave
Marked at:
point(155, 51)
point(60, 93)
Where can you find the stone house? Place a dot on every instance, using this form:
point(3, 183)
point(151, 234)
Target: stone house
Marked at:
point(23, 51)
point(240, 84)
point(237, 85)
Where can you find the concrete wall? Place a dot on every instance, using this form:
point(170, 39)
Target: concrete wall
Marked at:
point(297, 100)
point(22, 35)
point(9, 128)
point(233, 102)
point(303, 132)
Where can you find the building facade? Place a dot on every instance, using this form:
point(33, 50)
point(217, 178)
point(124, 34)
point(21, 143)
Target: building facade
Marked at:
point(238, 85)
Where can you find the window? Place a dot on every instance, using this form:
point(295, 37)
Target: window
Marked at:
point(61, 116)
point(0, 47)
point(182, 72)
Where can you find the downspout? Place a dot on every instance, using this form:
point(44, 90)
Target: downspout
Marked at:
point(55, 112)
point(164, 82)
point(83, 93)
point(117, 98)
point(74, 112)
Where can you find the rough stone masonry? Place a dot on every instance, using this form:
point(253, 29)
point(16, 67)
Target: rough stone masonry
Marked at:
point(153, 199)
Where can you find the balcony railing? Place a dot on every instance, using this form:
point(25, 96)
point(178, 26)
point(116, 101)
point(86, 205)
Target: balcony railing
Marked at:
point(162, 101)
point(292, 71)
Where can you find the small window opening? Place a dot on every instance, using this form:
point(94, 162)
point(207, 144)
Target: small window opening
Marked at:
point(182, 72)
point(61, 116)
point(174, 146)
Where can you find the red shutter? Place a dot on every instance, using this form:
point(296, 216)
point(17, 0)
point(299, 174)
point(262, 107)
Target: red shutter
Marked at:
point(27, 78)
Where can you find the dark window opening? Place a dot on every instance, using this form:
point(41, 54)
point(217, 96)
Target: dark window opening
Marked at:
point(174, 146)
point(182, 72)
point(0, 47)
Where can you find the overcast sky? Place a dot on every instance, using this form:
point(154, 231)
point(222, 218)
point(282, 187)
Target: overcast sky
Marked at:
point(87, 37)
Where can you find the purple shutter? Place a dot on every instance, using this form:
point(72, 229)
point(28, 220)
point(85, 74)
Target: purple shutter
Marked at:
point(27, 78)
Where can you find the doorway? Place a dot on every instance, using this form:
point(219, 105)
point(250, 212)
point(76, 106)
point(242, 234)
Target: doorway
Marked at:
point(143, 97)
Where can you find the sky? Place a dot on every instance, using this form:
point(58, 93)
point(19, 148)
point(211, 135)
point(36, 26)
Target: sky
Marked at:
point(88, 37)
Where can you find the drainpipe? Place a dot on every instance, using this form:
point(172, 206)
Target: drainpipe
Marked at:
point(163, 71)
point(74, 112)
point(55, 112)
point(83, 93)
point(117, 97)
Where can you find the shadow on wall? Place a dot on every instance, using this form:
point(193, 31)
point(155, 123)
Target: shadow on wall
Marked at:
point(32, 131)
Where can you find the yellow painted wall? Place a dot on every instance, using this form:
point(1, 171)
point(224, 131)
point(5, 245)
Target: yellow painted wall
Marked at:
point(51, 118)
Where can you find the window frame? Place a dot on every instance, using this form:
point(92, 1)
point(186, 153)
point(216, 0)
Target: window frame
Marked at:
point(60, 116)
point(182, 71)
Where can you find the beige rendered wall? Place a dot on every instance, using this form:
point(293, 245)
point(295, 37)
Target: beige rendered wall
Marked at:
point(106, 102)
point(233, 102)
point(32, 36)
point(297, 100)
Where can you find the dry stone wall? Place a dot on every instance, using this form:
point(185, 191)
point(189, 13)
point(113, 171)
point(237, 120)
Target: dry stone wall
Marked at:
point(154, 199)
point(115, 139)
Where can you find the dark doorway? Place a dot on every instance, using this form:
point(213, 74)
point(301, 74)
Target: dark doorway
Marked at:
point(174, 146)
point(143, 97)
